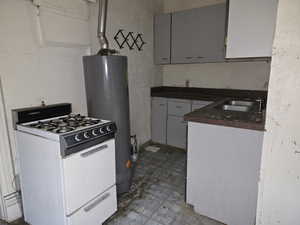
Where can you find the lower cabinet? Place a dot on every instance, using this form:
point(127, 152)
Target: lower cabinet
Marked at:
point(176, 132)
point(159, 120)
point(168, 125)
point(223, 165)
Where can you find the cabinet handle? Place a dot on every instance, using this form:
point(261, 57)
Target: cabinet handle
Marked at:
point(178, 107)
point(162, 104)
point(200, 57)
point(93, 151)
point(189, 57)
point(97, 202)
point(164, 58)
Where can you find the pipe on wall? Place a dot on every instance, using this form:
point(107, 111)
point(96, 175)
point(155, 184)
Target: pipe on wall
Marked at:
point(102, 24)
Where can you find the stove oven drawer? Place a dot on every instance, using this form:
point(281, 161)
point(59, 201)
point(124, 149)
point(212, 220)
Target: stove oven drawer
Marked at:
point(88, 173)
point(96, 211)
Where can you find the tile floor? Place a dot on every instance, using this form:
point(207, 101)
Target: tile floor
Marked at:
point(158, 193)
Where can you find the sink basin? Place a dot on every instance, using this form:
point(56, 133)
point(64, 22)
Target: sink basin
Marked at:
point(241, 103)
point(238, 108)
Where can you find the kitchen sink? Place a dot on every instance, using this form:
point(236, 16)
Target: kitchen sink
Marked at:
point(241, 103)
point(238, 108)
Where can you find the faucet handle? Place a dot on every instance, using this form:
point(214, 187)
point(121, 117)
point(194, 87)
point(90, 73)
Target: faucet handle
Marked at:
point(187, 83)
point(260, 101)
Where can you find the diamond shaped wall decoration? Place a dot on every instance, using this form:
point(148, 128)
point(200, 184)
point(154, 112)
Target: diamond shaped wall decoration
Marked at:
point(130, 40)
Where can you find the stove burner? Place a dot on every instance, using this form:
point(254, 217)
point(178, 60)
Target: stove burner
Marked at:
point(64, 130)
point(65, 124)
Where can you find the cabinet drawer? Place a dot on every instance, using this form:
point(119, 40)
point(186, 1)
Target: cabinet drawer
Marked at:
point(96, 211)
point(157, 101)
point(179, 108)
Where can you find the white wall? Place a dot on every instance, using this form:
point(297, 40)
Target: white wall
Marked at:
point(279, 201)
point(30, 72)
point(177, 5)
point(237, 75)
point(36, 66)
point(135, 16)
point(41, 58)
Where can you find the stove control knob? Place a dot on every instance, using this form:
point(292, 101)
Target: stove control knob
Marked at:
point(86, 135)
point(94, 133)
point(108, 128)
point(102, 130)
point(77, 138)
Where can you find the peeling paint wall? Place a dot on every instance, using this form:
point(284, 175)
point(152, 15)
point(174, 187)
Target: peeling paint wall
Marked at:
point(237, 75)
point(279, 199)
point(177, 5)
point(31, 72)
point(135, 16)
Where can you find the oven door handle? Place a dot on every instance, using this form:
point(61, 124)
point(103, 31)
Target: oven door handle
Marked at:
point(93, 151)
point(97, 202)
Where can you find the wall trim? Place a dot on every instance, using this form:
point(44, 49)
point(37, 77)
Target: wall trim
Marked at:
point(6, 165)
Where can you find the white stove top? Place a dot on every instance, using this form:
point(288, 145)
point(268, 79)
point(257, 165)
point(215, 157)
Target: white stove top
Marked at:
point(52, 128)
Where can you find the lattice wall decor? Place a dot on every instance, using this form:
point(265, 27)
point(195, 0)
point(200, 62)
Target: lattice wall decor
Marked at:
point(130, 40)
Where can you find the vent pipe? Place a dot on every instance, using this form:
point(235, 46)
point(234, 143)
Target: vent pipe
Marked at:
point(102, 24)
point(102, 17)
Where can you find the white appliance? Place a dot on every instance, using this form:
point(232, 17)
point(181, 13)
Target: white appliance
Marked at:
point(67, 163)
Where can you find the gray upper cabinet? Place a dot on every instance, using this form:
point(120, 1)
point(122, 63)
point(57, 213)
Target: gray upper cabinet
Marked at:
point(198, 35)
point(251, 28)
point(162, 38)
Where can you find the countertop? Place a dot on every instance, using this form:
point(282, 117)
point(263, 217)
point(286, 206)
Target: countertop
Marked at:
point(213, 114)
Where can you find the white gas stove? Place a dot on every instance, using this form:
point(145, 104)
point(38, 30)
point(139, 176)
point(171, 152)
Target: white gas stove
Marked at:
point(67, 164)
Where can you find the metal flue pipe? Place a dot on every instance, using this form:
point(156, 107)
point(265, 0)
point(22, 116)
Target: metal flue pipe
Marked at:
point(102, 25)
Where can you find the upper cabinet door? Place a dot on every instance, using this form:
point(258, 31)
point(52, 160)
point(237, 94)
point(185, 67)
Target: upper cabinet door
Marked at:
point(198, 35)
point(251, 28)
point(162, 38)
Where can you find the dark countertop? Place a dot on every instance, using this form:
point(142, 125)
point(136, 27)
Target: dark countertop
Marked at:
point(213, 114)
point(205, 93)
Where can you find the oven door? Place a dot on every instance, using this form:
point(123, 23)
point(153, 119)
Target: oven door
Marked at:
point(87, 174)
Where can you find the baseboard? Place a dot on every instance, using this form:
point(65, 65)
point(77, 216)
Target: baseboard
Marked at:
point(13, 207)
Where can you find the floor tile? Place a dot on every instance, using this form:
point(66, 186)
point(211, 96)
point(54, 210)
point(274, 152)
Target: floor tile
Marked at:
point(146, 205)
point(166, 214)
point(208, 221)
point(153, 222)
point(129, 218)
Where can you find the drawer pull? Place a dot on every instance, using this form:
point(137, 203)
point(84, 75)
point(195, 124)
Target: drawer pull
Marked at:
point(189, 57)
point(164, 58)
point(97, 202)
point(200, 57)
point(162, 104)
point(93, 151)
point(178, 107)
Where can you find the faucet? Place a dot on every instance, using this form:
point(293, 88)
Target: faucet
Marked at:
point(260, 102)
point(187, 83)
